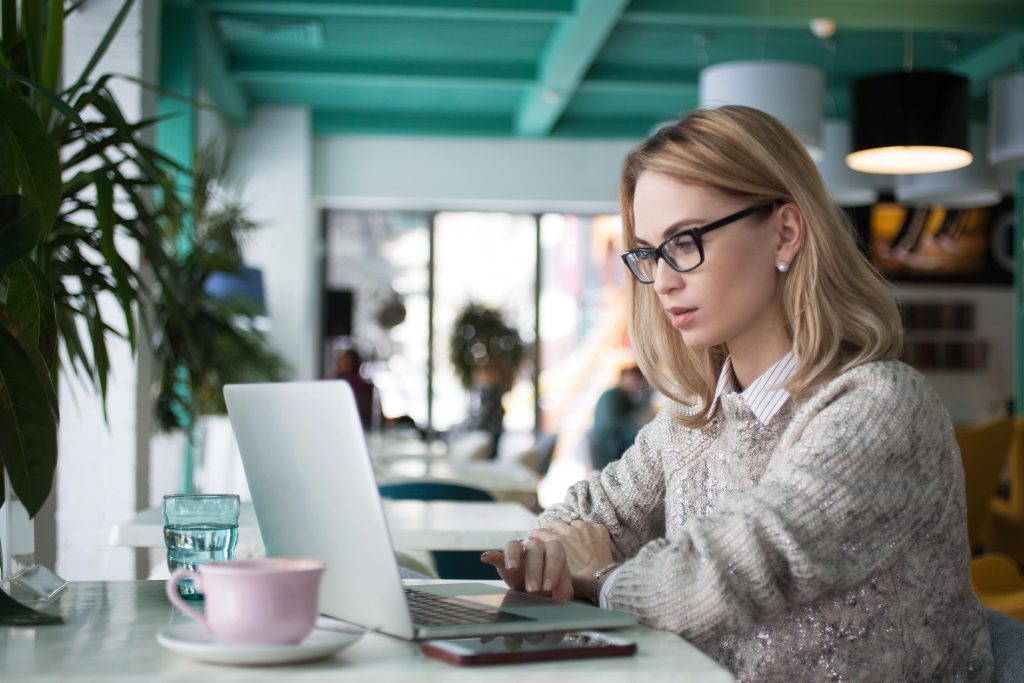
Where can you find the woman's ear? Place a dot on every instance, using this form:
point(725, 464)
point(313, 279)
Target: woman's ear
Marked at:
point(790, 229)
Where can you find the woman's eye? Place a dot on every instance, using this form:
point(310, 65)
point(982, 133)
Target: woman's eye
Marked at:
point(684, 244)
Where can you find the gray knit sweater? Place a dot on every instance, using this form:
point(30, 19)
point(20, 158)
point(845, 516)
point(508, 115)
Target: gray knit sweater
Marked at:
point(829, 544)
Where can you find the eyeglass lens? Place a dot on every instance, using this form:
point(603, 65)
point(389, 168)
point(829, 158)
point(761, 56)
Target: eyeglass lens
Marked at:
point(681, 252)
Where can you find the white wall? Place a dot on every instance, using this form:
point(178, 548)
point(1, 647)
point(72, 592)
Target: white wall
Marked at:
point(273, 162)
point(468, 173)
point(97, 463)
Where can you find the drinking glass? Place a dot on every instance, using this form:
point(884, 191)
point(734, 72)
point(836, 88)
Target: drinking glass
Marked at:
point(199, 528)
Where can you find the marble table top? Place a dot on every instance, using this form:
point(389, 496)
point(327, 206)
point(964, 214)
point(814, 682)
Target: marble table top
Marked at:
point(110, 636)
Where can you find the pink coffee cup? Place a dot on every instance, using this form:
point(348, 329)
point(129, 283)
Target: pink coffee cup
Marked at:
point(254, 602)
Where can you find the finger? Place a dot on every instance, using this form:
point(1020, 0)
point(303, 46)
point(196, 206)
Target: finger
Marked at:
point(513, 578)
point(541, 535)
point(534, 565)
point(514, 554)
point(554, 565)
point(559, 526)
point(563, 591)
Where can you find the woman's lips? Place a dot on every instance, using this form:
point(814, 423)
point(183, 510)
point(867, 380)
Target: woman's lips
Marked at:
point(680, 316)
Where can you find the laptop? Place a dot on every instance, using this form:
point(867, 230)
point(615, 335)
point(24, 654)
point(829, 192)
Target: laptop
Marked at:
point(313, 489)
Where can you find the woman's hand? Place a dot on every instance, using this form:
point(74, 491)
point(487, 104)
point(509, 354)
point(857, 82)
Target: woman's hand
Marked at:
point(533, 566)
point(557, 561)
point(588, 547)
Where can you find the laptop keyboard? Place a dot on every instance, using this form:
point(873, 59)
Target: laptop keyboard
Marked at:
point(429, 609)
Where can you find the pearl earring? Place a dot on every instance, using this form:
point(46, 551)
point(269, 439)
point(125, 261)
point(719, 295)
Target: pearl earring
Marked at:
point(781, 266)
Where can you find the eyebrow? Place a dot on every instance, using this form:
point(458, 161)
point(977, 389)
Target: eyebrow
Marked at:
point(676, 227)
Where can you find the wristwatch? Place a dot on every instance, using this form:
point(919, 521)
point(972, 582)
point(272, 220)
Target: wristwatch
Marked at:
point(595, 581)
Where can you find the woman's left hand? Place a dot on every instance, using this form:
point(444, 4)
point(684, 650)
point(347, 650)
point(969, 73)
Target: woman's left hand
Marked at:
point(588, 547)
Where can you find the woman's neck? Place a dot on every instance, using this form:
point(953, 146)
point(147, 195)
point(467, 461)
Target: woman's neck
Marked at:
point(749, 361)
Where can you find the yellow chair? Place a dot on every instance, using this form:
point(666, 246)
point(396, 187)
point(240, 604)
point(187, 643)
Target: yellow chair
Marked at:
point(1006, 530)
point(999, 584)
point(983, 450)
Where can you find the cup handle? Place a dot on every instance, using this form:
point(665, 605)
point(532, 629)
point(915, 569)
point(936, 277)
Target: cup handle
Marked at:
point(171, 588)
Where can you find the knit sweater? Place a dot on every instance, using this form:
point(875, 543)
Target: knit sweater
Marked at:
point(828, 544)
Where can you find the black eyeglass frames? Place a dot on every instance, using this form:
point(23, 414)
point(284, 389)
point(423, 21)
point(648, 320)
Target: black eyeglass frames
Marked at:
point(683, 251)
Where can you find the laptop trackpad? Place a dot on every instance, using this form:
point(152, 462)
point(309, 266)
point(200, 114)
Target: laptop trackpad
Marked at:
point(508, 600)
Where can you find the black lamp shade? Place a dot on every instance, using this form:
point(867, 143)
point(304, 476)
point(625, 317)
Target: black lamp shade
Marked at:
point(912, 109)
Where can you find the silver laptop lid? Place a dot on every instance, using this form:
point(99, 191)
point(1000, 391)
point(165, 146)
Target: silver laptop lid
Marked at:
point(315, 495)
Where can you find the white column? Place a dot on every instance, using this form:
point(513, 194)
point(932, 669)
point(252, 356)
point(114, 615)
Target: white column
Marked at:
point(273, 159)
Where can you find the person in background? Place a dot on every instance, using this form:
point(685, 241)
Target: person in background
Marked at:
point(796, 510)
point(347, 366)
point(618, 416)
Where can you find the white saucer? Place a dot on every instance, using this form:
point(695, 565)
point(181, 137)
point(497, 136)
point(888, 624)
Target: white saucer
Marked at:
point(192, 640)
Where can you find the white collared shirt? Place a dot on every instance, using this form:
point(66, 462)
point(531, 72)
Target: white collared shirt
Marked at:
point(765, 397)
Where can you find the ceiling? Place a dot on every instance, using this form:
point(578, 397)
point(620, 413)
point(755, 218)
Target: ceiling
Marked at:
point(565, 68)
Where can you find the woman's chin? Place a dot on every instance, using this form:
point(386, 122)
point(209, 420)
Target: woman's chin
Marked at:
point(696, 341)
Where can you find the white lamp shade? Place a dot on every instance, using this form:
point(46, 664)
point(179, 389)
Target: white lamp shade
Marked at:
point(846, 186)
point(792, 92)
point(1006, 121)
point(970, 187)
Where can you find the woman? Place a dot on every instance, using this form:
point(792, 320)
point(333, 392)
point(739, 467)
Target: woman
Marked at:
point(797, 510)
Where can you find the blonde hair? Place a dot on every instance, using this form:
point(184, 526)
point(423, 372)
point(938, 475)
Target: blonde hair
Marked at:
point(838, 310)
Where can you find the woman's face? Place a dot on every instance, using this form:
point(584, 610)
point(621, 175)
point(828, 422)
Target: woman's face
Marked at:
point(732, 298)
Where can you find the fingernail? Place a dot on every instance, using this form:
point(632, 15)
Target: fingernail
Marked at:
point(531, 587)
point(512, 564)
point(547, 584)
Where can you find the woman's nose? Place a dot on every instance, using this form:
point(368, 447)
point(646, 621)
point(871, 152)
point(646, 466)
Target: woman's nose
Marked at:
point(666, 278)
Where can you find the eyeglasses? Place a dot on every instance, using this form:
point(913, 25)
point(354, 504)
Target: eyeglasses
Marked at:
point(683, 251)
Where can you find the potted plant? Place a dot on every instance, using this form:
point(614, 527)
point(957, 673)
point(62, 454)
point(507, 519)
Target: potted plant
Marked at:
point(486, 353)
point(205, 337)
point(75, 181)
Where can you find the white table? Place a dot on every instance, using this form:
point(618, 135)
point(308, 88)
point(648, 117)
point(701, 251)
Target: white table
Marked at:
point(110, 636)
point(414, 525)
point(508, 481)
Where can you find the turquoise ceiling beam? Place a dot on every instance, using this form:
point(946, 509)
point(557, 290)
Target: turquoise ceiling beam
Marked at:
point(570, 53)
point(474, 74)
point(226, 94)
point(421, 123)
point(1000, 55)
point(388, 74)
point(516, 10)
point(960, 17)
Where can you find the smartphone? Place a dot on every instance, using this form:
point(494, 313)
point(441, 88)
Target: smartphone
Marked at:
point(528, 648)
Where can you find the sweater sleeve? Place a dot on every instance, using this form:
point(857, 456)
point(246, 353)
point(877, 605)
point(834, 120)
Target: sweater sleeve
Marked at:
point(860, 471)
point(628, 496)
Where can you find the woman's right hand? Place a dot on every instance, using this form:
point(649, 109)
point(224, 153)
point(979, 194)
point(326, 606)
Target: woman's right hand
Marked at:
point(533, 566)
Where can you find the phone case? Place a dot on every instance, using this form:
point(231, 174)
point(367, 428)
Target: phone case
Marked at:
point(449, 652)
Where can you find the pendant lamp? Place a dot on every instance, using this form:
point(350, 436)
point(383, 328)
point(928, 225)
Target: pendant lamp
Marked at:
point(846, 186)
point(971, 187)
point(792, 92)
point(910, 122)
point(1006, 121)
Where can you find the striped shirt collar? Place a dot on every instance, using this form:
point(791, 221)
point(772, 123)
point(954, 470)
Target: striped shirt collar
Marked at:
point(765, 395)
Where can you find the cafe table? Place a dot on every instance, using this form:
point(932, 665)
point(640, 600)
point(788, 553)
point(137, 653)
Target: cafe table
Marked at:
point(414, 525)
point(110, 632)
point(506, 481)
